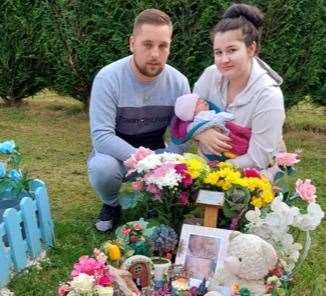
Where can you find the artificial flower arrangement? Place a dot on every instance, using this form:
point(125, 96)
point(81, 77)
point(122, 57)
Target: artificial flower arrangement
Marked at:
point(12, 179)
point(289, 215)
point(91, 276)
point(167, 181)
point(133, 238)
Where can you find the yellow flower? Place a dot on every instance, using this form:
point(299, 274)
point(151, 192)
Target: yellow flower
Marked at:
point(195, 165)
point(256, 202)
point(112, 251)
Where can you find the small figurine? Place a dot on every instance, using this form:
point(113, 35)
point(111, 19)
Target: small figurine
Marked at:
point(140, 268)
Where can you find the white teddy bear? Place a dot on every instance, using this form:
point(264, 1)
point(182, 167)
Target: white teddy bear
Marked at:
point(249, 259)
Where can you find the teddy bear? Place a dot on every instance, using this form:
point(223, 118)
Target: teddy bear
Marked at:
point(249, 259)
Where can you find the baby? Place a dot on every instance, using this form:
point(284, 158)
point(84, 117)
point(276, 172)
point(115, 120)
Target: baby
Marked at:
point(194, 114)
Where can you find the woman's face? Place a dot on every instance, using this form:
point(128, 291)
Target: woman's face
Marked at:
point(232, 56)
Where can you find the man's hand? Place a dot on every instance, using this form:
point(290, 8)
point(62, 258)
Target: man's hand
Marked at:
point(216, 142)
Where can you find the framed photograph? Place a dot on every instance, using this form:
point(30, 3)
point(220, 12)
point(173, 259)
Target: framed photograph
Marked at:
point(211, 198)
point(202, 251)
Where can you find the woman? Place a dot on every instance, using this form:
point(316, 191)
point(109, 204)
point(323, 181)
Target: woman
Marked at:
point(243, 85)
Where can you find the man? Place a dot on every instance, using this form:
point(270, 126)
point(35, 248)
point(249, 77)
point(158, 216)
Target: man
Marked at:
point(131, 105)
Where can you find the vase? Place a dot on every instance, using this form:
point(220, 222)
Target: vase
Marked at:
point(161, 268)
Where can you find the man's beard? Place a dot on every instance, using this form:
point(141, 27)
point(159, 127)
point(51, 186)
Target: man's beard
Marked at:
point(144, 71)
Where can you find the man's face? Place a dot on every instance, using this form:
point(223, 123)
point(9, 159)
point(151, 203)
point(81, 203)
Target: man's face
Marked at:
point(150, 46)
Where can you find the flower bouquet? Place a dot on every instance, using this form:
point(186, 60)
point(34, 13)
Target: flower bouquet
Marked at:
point(91, 276)
point(167, 182)
point(243, 190)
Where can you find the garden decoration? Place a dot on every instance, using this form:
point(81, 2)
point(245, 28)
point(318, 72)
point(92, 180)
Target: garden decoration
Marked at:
point(14, 183)
point(163, 243)
point(212, 201)
point(134, 238)
point(140, 268)
point(26, 226)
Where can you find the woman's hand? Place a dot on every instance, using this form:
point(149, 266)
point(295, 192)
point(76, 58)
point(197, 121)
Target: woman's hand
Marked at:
point(215, 141)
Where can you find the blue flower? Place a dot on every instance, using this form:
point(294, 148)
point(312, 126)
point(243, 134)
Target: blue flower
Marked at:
point(15, 175)
point(2, 169)
point(7, 147)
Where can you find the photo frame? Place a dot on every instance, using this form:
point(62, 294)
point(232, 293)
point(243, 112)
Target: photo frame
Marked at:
point(202, 251)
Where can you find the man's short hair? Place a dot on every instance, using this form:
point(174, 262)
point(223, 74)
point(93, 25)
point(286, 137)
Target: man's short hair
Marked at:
point(152, 17)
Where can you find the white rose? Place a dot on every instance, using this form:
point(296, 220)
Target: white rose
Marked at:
point(82, 283)
point(104, 291)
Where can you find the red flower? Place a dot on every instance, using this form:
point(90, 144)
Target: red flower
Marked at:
point(278, 271)
point(105, 280)
point(183, 198)
point(186, 180)
point(251, 173)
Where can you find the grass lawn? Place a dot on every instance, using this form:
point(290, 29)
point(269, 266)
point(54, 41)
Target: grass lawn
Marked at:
point(53, 135)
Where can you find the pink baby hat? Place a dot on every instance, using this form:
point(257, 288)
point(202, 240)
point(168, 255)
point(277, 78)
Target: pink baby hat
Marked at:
point(185, 106)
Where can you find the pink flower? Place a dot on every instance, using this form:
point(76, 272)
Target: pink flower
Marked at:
point(251, 173)
point(63, 290)
point(152, 188)
point(137, 226)
point(137, 185)
point(89, 266)
point(186, 180)
point(286, 159)
point(306, 190)
point(104, 280)
point(125, 231)
point(180, 168)
point(142, 152)
point(131, 162)
point(162, 170)
point(183, 198)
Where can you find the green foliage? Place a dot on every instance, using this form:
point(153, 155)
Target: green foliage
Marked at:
point(22, 67)
point(66, 42)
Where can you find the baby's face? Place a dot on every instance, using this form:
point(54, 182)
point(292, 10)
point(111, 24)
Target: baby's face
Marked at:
point(201, 105)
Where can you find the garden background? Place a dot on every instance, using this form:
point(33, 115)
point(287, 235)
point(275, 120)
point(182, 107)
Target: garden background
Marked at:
point(60, 45)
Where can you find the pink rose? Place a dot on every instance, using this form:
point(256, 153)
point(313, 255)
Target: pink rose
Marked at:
point(183, 198)
point(137, 226)
point(89, 266)
point(306, 190)
point(251, 173)
point(137, 185)
point(286, 159)
point(131, 162)
point(63, 290)
point(142, 152)
point(125, 231)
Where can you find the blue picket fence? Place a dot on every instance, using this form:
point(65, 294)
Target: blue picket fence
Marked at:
point(25, 232)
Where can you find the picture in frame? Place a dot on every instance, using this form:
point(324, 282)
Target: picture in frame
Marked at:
point(202, 251)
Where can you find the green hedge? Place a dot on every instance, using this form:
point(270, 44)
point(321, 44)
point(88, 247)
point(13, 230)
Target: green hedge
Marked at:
point(82, 36)
point(23, 68)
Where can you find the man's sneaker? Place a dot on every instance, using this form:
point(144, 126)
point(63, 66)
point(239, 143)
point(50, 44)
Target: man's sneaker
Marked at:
point(108, 218)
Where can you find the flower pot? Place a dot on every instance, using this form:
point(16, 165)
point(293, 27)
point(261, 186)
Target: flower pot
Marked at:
point(161, 267)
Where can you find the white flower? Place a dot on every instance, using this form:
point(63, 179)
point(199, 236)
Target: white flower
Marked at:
point(310, 220)
point(148, 163)
point(253, 216)
point(104, 291)
point(170, 179)
point(82, 283)
point(171, 157)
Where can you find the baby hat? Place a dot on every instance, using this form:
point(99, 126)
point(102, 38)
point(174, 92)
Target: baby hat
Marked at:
point(185, 106)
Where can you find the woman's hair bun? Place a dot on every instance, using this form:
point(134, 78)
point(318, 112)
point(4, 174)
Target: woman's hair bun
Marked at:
point(250, 13)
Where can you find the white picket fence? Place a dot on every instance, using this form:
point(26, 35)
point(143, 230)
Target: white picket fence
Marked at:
point(24, 233)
